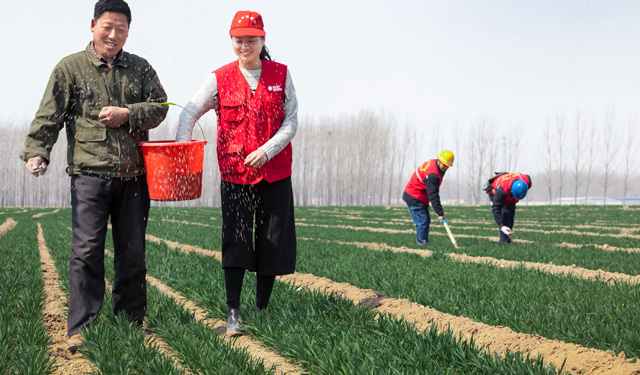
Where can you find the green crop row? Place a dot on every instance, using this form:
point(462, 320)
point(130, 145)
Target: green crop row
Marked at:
point(543, 251)
point(400, 223)
point(115, 345)
point(588, 313)
point(566, 317)
point(398, 219)
point(23, 337)
point(588, 257)
point(110, 338)
point(330, 335)
point(610, 216)
point(545, 233)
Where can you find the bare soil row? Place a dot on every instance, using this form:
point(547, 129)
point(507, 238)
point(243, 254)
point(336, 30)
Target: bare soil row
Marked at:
point(75, 364)
point(494, 338)
point(55, 317)
point(583, 273)
point(493, 239)
point(622, 227)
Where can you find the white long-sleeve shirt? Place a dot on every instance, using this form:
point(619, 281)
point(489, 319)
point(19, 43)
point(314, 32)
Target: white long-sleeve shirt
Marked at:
point(206, 99)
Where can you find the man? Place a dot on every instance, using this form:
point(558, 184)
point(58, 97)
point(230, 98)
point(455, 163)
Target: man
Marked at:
point(424, 187)
point(107, 99)
point(506, 190)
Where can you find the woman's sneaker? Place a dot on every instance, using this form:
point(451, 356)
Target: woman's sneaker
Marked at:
point(234, 323)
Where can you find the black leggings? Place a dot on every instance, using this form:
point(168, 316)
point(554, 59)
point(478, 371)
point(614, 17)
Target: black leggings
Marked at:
point(233, 278)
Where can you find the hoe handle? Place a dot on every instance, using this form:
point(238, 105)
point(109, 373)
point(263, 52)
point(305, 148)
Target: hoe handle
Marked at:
point(453, 240)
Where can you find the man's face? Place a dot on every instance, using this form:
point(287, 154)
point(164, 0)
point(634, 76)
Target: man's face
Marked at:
point(110, 32)
point(443, 168)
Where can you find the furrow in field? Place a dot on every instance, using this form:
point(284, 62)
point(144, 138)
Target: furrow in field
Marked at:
point(601, 275)
point(153, 339)
point(41, 214)
point(376, 246)
point(7, 226)
point(403, 231)
point(186, 222)
point(493, 239)
point(625, 229)
point(583, 273)
point(579, 359)
point(624, 233)
point(54, 316)
point(522, 226)
point(254, 348)
point(498, 339)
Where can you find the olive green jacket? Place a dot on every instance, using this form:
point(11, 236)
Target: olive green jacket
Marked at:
point(79, 87)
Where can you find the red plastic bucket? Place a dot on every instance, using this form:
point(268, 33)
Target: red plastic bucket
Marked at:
point(174, 169)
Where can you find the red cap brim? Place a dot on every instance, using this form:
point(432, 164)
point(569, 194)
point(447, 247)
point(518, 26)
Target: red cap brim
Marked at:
point(247, 31)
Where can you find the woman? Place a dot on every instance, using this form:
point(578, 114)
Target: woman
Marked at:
point(256, 105)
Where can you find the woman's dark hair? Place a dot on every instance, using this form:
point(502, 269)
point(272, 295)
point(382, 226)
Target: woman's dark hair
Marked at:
point(115, 6)
point(264, 54)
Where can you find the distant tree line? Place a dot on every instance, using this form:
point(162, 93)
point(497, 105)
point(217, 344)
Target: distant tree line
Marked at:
point(366, 159)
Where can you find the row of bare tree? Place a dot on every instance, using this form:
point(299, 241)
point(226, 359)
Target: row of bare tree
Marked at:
point(580, 150)
point(366, 159)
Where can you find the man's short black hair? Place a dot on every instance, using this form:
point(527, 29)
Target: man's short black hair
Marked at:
point(115, 6)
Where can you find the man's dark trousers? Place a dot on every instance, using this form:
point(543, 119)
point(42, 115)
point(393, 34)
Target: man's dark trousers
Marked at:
point(93, 200)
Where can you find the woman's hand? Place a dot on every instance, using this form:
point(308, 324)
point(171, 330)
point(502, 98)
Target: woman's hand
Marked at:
point(256, 159)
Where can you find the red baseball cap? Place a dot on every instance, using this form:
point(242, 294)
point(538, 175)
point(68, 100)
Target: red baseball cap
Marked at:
point(247, 23)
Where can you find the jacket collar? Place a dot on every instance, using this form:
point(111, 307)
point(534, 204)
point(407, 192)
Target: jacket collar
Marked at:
point(121, 57)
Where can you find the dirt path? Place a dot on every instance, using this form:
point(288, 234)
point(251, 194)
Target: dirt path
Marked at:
point(456, 235)
point(583, 273)
point(375, 246)
point(498, 339)
point(152, 340)
point(625, 229)
point(41, 214)
point(624, 233)
point(185, 222)
point(7, 226)
point(254, 347)
point(55, 317)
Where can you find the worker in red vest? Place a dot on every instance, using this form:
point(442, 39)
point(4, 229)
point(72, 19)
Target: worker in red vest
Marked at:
point(507, 189)
point(424, 187)
point(255, 101)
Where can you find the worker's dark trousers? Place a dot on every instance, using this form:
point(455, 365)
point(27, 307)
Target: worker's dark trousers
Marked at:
point(93, 200)
point(508, 218)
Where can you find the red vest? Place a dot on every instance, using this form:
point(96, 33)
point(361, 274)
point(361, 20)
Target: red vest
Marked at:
point(416, 187)
point(248, 120)
point(505, 181)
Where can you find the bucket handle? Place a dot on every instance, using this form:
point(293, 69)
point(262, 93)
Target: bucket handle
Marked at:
point(184, 109)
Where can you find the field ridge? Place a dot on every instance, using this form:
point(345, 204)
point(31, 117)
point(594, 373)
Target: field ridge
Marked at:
point(494, 338)
point(55, 317)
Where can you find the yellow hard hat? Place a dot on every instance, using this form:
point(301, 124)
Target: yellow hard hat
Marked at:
point(446, 157)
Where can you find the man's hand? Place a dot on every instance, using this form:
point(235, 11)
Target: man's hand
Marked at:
point(256, 159)
point(113, 117)
point(505, 229)
point(37, 166)
point(441, 218)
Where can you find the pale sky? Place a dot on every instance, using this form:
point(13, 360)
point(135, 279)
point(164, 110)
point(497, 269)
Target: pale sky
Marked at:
point(444, 62)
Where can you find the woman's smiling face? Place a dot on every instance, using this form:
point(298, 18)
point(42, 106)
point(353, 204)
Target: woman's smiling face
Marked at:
point(248, 49)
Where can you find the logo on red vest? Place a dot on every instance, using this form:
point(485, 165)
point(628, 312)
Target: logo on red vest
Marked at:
point(274, 88)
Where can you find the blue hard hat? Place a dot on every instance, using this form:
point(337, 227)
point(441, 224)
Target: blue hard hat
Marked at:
point(519, 189)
